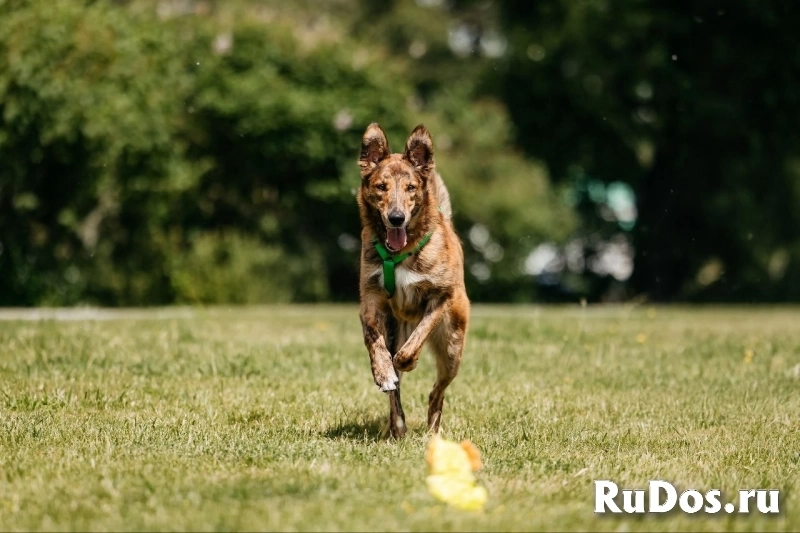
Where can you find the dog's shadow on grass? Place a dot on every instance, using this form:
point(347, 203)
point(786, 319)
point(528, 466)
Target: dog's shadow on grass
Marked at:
point(364, 429)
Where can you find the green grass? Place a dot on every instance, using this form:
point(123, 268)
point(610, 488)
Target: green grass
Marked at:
point(268, 419)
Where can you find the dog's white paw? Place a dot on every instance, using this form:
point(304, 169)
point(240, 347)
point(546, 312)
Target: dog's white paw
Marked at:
point(384, 374)
point(390, 383)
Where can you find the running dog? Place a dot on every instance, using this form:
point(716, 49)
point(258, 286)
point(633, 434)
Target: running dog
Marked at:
point(412, 269)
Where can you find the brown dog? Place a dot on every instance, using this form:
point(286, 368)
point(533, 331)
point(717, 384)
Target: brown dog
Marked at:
point(412, 269)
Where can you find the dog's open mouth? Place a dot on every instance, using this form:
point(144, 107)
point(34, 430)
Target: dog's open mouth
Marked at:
point(396, 238)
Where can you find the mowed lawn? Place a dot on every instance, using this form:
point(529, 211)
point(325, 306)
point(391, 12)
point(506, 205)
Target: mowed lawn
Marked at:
point(267, 418)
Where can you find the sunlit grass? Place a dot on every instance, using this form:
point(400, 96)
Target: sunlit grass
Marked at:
point(267, 418)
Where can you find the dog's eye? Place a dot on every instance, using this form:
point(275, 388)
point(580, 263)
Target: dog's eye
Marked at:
point(411, 188)
point(381, 186)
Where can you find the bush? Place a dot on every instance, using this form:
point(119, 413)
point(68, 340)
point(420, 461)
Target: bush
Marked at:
point(90, 98)
point(237, 269)
point(151, 157)
point(122, 136)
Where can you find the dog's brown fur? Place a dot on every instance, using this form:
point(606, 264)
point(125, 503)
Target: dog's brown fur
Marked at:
point(430, 302)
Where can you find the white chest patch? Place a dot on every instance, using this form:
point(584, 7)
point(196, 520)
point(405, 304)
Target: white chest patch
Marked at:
point(404, 278)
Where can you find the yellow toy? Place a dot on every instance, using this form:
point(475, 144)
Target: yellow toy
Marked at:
point(450, 477)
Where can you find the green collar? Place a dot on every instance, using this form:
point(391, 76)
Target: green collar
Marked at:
point(389, 261)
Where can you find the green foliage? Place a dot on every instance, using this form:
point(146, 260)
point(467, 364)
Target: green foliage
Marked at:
point(236, 269)
point(141, 138)
point(278, 126)
point(153, 154)
point(89, 98)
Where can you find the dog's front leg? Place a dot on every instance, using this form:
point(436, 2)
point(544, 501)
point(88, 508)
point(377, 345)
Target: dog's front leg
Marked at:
point(373, 323)
point(405, 360)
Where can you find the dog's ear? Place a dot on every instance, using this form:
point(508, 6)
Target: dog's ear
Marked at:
point(419, 149)
point(374, 148)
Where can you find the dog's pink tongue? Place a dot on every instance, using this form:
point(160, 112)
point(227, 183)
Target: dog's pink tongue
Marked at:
point(396, 238)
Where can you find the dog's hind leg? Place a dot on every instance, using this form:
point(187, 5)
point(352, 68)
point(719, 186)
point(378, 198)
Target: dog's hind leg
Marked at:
point(447, 343)
point(397, 419)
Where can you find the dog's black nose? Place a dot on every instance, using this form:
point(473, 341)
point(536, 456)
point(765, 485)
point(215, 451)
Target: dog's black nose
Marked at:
point(396, 219)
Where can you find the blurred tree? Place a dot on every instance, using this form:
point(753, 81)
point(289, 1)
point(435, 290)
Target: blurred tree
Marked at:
point(154, 151)
point(150, 154)
point(693, 104)
point(200, 151)
point(89, 98)
point(279, 125)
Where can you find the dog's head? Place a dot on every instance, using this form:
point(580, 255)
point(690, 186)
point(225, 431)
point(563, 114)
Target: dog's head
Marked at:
point(393, 185)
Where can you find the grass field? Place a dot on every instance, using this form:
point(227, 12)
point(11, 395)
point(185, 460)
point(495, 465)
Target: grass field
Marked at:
point(268, 419)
